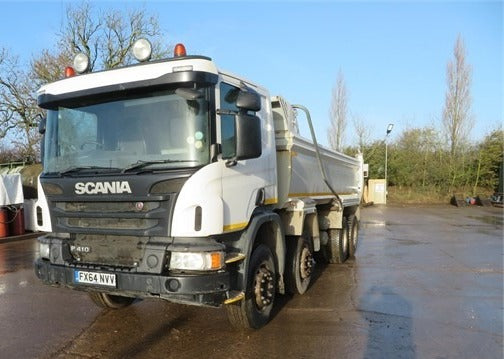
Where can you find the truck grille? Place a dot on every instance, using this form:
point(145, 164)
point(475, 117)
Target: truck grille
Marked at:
point(124, 218)
point(106, 207)
point(109, 223)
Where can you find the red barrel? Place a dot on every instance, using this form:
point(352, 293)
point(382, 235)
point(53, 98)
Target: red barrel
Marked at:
point(16, 221)
point(4, 223)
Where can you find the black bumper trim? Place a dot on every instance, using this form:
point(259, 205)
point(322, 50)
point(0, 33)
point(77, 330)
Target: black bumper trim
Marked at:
point(208, 289)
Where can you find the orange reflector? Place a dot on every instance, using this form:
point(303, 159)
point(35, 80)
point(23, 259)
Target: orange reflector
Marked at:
point(179, 50)
point(216, 260)
point(69, 71)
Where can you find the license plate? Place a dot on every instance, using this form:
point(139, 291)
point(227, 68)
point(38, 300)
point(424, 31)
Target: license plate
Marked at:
point(104, 279)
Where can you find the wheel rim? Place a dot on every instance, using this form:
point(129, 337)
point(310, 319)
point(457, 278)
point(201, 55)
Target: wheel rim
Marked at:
point(306, 263)
point(264, 287)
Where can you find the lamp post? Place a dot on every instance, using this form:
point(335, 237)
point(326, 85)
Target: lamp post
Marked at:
point(389, 129)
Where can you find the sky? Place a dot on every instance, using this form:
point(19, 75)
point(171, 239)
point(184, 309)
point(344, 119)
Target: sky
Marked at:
point(393, 55)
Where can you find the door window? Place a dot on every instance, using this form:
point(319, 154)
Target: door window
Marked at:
point(229, 94)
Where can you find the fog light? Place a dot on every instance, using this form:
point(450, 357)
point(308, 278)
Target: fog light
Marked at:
point(197, 260)
point(172, 285)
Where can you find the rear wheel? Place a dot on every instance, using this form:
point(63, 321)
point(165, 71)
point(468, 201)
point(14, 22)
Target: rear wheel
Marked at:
point(353, 235)
point(337, 248)
point(254, 311)
point(322, 256)
point(300, 269)
point(110, 301)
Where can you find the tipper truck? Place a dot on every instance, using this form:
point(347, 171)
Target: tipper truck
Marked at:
point(172, 179)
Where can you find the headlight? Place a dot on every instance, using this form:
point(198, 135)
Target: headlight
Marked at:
point(197, 260)
point(44, 250)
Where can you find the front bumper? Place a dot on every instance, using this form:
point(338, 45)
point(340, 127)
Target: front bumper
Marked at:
point(207, 289)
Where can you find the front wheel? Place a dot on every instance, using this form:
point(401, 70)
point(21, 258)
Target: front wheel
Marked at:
point(104, 300)
point(255, 310)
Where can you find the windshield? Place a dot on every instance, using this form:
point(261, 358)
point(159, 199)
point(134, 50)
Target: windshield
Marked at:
point(156, 130)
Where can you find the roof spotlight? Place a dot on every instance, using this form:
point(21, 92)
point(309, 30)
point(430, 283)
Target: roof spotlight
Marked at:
point(142, 50)
point(81, 63)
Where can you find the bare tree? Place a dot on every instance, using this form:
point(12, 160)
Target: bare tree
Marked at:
point(121, 32)
point(49, 67)
point(457, 118)
point(106, 38)
point(362, 131)
point(338, 113)
point(18, 107)
point(81, 32)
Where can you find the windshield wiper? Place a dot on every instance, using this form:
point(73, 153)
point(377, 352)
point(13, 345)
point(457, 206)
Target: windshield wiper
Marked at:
point(86, 168)
point(141, 164)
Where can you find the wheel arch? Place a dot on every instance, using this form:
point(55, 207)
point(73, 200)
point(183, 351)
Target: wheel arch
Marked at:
point(264, 228)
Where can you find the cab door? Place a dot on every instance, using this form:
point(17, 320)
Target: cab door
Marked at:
point(249, 183)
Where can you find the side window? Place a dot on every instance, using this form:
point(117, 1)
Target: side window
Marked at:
point(228, 98)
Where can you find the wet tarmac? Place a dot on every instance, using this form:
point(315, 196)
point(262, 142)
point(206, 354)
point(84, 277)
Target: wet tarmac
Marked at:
point(426, 283)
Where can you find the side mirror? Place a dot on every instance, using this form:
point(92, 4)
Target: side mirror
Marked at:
point(42, 125)
point(250, 101)
point(248, 136)
point(42, 130)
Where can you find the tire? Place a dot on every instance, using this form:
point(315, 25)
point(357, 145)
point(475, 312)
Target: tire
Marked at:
point(299, 268)
point(353, 235)
point(254, 311)
point(322, 256)
point(337, 248)
point(109, 301)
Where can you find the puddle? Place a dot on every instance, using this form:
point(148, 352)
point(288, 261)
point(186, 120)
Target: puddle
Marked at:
point(407, 242)
point(371, 224)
